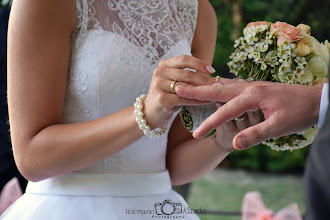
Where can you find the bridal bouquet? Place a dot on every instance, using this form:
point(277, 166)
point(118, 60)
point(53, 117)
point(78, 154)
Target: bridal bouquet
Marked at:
point(281, 53)
point(276, 52)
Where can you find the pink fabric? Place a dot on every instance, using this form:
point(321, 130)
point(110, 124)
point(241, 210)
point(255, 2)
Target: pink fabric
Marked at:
point(254, 209)
point(9, 194)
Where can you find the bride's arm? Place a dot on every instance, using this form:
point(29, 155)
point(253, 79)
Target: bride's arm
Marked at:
point(38, 65)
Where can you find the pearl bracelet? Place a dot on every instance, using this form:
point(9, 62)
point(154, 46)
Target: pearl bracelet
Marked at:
point(138, 106)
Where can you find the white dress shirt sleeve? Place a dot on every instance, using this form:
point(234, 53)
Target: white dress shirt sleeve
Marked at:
point(324, 104)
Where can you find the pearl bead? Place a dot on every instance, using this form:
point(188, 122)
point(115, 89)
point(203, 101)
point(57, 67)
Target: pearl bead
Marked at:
point(138, 106)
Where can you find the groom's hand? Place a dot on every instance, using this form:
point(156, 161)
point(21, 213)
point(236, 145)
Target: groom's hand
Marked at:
point(287, 109)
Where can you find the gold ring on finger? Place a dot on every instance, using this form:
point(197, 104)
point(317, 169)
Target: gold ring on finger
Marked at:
point(217, 78)
point(172, 86)
point(240, 118)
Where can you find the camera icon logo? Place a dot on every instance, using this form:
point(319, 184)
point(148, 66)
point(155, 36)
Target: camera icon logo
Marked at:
point(168, 207)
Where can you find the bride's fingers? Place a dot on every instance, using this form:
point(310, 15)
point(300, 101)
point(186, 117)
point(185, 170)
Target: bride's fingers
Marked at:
point(165, 85)
point(255, 117)
point(174, 100)
point(244, 123)
point(168, 85)
point(185, 61)
point(170, 100)
point(189, 77)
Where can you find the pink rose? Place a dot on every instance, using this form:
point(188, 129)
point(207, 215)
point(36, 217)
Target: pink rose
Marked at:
point(257, 23)
point(285, 32)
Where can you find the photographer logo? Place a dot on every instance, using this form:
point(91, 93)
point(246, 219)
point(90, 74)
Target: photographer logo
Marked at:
point(168, 207)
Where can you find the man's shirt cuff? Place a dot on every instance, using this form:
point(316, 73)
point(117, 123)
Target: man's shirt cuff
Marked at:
point(324, 104)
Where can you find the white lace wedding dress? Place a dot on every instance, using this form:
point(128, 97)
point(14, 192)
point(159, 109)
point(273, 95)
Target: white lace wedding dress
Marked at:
point(115, 48)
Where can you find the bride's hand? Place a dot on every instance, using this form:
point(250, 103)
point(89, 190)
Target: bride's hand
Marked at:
point(161, 103)
point(225, 133)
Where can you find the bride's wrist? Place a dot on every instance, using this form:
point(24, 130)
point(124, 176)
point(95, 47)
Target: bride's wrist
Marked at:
point(142, 122)
point(148, 114)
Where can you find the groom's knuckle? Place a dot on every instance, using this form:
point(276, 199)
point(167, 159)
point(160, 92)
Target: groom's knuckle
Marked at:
point(255, 89)
point(255, 134)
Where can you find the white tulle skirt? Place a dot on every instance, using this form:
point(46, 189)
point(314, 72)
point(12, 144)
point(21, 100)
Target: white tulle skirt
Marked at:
point(101, 196)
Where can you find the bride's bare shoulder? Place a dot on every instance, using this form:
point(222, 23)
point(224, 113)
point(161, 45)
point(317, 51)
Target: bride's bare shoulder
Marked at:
point(59, 12)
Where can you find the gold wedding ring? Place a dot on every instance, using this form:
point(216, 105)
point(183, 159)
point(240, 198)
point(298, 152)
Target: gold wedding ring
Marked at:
point(240, 118)
point(217, 78)
point(172, 86)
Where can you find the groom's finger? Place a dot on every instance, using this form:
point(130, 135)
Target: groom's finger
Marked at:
point(255, 135)
point(231, 110)
point(221, 93)
point(226, 81)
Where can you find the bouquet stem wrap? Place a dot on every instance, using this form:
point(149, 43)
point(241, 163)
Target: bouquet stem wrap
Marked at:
point(193, 116)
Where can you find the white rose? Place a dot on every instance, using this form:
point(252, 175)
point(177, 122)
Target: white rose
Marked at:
point(319, 63)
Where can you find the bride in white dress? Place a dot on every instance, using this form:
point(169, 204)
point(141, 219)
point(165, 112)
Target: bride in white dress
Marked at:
point(75, 70)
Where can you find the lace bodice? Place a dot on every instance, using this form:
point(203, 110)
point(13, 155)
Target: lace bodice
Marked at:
point(116, 46)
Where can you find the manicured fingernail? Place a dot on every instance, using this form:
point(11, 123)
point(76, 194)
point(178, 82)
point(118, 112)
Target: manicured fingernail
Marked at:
point(241, 142)
point(210, 69)
point(218, 105)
